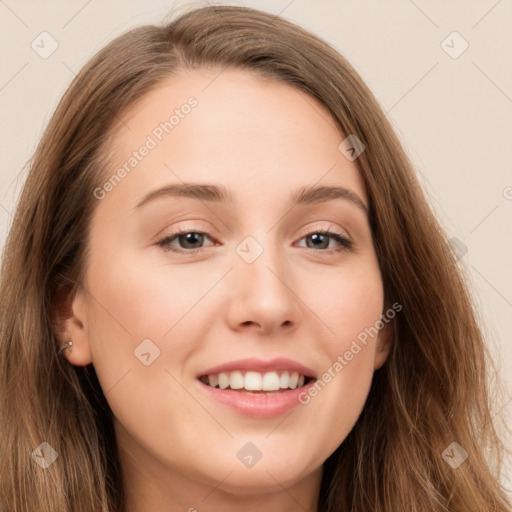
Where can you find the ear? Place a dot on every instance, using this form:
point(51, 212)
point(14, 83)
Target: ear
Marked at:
point(71, 325)
point(383, 344)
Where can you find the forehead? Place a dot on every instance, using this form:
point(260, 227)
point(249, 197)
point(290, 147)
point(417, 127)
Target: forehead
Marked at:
point(258, 136)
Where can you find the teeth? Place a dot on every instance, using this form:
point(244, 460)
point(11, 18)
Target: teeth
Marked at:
point(236, 380)
point(252, 381)
point(223, 381)
point(270, 382)
point(255, 381)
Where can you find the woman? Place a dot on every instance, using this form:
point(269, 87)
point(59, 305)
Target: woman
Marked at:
point(314, 349)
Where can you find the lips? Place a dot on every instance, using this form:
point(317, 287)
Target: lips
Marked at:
point(258, 375)
point(257, 388)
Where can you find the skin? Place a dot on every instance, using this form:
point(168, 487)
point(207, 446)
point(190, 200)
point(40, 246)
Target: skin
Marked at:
point(178, 448)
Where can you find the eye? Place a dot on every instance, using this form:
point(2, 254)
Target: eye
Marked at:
point(191, 240)
point(322, 239)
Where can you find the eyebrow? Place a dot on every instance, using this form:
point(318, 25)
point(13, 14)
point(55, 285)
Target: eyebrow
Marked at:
point(220, 194)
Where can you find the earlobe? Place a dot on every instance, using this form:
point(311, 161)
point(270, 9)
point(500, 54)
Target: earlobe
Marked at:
point(384, 344)
point(70, 326)
point(77, 354)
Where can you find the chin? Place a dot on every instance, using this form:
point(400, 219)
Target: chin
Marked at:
point(267, 474)
point(244, 482)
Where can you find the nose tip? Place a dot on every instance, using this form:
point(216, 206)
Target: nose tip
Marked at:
point(261, 298)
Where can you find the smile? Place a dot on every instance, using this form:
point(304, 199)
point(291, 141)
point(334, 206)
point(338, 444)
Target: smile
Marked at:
point(251, 381)
point(256, 388)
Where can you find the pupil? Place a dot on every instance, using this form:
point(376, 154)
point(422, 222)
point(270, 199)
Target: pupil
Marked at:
point(189, 238)
point(317, 237)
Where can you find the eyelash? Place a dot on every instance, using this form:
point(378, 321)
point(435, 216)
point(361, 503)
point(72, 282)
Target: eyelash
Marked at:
point(346, 244)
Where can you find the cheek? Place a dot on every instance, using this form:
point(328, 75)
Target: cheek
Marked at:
point(361, 307)
point(139, 300)
point(350, 302)
point(351, 310)
point(133, 304)
point(139, 309)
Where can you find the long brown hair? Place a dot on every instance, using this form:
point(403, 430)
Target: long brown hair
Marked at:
point(433, 390)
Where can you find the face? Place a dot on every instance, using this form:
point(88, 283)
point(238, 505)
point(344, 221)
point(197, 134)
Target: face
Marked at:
point(264, 290)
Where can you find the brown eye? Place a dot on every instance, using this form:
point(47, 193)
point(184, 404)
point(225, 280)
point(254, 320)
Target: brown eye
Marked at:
point(190, 239)
point(187, 241)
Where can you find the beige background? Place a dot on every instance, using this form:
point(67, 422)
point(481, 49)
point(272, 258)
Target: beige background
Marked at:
point(453, 115)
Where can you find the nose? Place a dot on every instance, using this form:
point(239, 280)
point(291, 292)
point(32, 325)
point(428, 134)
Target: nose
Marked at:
point(262, 296)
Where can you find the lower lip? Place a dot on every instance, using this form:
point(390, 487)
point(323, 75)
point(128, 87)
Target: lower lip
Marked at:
point(257, 405)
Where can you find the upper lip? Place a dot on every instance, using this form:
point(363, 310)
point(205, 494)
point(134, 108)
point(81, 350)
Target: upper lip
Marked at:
point(260, 365)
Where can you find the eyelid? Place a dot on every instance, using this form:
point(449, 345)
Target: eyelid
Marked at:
point(319, 228)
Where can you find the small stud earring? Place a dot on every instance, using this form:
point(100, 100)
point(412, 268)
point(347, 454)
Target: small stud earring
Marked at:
point(66, 346)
